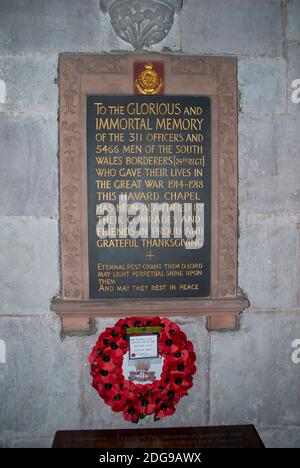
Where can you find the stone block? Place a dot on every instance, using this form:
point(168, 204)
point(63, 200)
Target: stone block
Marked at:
point(262, 85)
point(269, 164)
point(49, 26)
point(252, 377)
point(41, 391)
point(293, 19)
point(191, 410)
point(28, 265)
point(31, 442)
point(232, 27)
point(28, 166)
point(29, 83)
point(268, 260)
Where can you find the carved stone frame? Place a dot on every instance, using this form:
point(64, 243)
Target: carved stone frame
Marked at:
point(84, 74)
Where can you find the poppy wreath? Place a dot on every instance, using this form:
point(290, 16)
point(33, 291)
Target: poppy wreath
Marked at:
point(136, 401)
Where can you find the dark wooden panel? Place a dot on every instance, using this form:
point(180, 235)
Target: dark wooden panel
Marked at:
point(191, 437)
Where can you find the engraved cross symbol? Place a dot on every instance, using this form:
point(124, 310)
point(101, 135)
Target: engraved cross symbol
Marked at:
point(150, 255)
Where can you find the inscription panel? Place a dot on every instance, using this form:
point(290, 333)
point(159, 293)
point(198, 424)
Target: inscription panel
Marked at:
point(149, 196)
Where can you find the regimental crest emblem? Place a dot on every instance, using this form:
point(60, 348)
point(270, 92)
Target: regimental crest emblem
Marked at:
point(149, 82)
point(143, 373)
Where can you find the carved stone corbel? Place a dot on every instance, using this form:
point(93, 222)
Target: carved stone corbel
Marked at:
point(141, 23)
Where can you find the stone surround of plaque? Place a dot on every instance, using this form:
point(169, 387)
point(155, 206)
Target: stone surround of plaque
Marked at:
point(148, 188)
point(155, 150)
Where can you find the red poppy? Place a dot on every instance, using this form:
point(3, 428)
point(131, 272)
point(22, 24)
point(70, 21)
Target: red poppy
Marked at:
point(164, 409)
point(170, 393)
point(110, 376)
point(107, 390)
point(146, 407)
point(112, 355)
point(153, 322)
point(180, 356)
point(130, 389)
point(105, 377)
point(182, 382)
point(132, 322)
point(167, 346)
point(131, 413)
point(166, 323)
point(192, 356)
point(94, 355)
point(183, 367)
point(118, 399)
point(183, 337)
point(189, 346)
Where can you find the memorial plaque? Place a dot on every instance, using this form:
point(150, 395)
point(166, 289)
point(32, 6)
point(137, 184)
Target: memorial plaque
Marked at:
point(149, 196)
point(148, 168)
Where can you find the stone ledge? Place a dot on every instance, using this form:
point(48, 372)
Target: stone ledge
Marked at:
point(77, 316)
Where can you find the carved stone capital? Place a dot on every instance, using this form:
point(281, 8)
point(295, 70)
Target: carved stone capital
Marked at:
point(141, 22)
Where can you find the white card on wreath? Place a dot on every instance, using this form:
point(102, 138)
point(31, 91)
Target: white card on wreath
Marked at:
point(143, 346)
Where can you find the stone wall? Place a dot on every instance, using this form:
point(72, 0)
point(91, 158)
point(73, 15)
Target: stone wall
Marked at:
point(243, 377)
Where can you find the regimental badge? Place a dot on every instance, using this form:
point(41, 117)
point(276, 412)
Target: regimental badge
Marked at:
point(149, 82)
point(142, 373)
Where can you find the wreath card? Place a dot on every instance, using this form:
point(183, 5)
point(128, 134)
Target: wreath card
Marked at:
point(143, 346)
